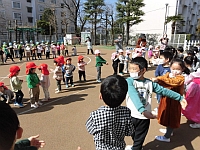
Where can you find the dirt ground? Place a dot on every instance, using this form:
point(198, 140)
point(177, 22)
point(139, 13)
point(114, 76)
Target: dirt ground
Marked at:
point(61, 121)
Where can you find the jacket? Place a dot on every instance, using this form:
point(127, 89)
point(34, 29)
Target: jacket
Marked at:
point(99, 61)
point(24, 145)
point(32, 79)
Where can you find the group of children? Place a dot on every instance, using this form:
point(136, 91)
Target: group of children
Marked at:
point(63, 72)
point(176, 75)
point(35, 51)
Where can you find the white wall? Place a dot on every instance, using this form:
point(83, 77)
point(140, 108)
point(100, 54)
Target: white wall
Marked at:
point(154, 17)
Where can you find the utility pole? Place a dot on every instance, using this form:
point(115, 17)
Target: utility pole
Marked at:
point(9, 24)
point(16, 30)
point(165, 25)
point(55, 24)
point(106, 39)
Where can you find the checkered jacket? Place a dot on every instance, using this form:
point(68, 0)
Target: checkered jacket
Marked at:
point(109, 126)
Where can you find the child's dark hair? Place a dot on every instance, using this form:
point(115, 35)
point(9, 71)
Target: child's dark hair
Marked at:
point(113, 90)
point(167, 55)
point(31, 70)
point(55, 62)
point(192, 52)
point(182, 64)
point(180, 49)
point(141, 62)
point(172, 50)
point(9, 125)
point(188, 60)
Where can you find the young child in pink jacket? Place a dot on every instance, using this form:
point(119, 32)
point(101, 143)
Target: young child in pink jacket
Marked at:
point(81, 68)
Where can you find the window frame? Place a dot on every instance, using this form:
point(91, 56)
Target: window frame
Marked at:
point(29, 18)
point(16, 2)
point(17, 18)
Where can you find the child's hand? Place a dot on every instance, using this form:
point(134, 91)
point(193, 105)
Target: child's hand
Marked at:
point(79, 148)
point(106, 63)
point(183, 104)
point(149, 115)
point(154, 79)
point(35, 142)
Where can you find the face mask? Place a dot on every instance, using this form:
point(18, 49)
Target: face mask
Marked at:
point(134, 75)
point(176, 72)
point(161, 61)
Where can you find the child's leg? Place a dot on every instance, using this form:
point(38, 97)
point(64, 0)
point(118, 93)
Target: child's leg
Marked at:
point(115, 70)
point(98, 73)
point(19, 97)
point(71, 81)
point(59, 84)
point(169, 132)
point(84, 76)
point(63, 74)
point(141, 130)
point(125, 67)
point(88, 51)
point(37, 94)
point(67, 80)
point(92, 51)
point(32, 93)
point(120, 68)
point(79, 74)
point(46, 93)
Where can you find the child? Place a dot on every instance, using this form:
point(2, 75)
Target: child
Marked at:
point(28, 52)
point(127, 60)
point(47, 49)
point(34, 49)
point(39, 51)
point(7, 53)
point(169, 111)
point(69, 69)
point(53, 50)
point(111, 122)
point(16, 85)
point(58, 74)
point(66, 50)
point(180, 53)
point(5, 93)
point(139, 99)
point(137, 53)
point(150, 54)
point(156, 54)
point(44, 80)
point(11, 50)
point(192, 112)
point(1, 55)
point(20, 50)
point(121, 63)
point(188, 60)
point(89, 46)
point(62, 60)
point(115, 63)
point(162, 69)
point(62, 49)
point(196, 61)
point(11, 131)
point(33, 84)
point(99, 62)
point(74, 51)
point(58, 48)
point(81, 67)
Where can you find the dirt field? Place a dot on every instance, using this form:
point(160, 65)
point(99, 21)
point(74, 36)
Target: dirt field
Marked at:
point(61, 121)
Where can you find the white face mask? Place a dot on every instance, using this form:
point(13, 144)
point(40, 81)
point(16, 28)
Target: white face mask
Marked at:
point(161, 61)
point(135, 75)
point(176, 72)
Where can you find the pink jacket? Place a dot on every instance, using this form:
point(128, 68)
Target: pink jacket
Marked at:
point(81, 66)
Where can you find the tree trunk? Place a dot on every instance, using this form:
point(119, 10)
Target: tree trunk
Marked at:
point(127, 32)
point(95, 27)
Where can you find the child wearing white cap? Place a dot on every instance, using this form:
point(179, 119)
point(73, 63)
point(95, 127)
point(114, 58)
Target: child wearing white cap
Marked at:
point(99, 62)
point(127, 60)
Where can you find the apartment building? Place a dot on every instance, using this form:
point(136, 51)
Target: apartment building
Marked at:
point(27, 12)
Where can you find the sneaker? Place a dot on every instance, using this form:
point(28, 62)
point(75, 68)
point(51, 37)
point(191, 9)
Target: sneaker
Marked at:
point(73, 85)
point(164, 131)
point(39, 103)
point(162, 139)
point(45, 100)
point(34, 106)
point(57, 92)
point(67, 86)
point(128, 147)
point(21, 105)
point(56, 89)
point(99, 81)
point(16, 104)
point(195, 126)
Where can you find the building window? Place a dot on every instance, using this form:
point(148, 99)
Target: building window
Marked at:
point(16, 5)
point(2, 14)
point(41, 1)
point(29, 9)
point(30, 19)
point(40, 17)
point(41, 8)
point(53, 1)
point(72, 29)
point(17, 16)
point(29, 1)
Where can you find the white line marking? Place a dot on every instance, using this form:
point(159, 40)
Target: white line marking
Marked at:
point(48, 103)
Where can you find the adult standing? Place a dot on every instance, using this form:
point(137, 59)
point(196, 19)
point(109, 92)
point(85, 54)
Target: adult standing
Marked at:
point(164, 43)
point(89, 45)
point(118, 43)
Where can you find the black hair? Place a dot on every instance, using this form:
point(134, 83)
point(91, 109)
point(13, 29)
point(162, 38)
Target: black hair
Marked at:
point(180, 49)
point(141, 62)
point(192, 52)
point(9, 125)
point(31, 70)
point(54, 61)
point(172, 50)
point(182, 64)
point(167, 55)
point(113, 90)
point(188, 60)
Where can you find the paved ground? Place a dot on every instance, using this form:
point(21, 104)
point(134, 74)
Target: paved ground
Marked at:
point(61, 121)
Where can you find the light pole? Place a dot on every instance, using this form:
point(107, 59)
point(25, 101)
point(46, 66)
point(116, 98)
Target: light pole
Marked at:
point(106, 39)
point(176, 14)
point(165, 25)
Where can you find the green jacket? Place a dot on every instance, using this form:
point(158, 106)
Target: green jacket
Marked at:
point(32, 80)
point(99, 61)
point(6, 51)
point(24, 145)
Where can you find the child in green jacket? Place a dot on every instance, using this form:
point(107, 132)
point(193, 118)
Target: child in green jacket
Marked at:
point(33, 84)
point(99, 62)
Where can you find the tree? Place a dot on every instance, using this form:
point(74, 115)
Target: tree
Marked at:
point(174, 20)
point(74, 9)
point(129, 13)
point(94, 10)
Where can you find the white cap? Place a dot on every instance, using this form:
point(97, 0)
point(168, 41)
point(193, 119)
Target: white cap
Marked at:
point(97, 51)
point(120, 51)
